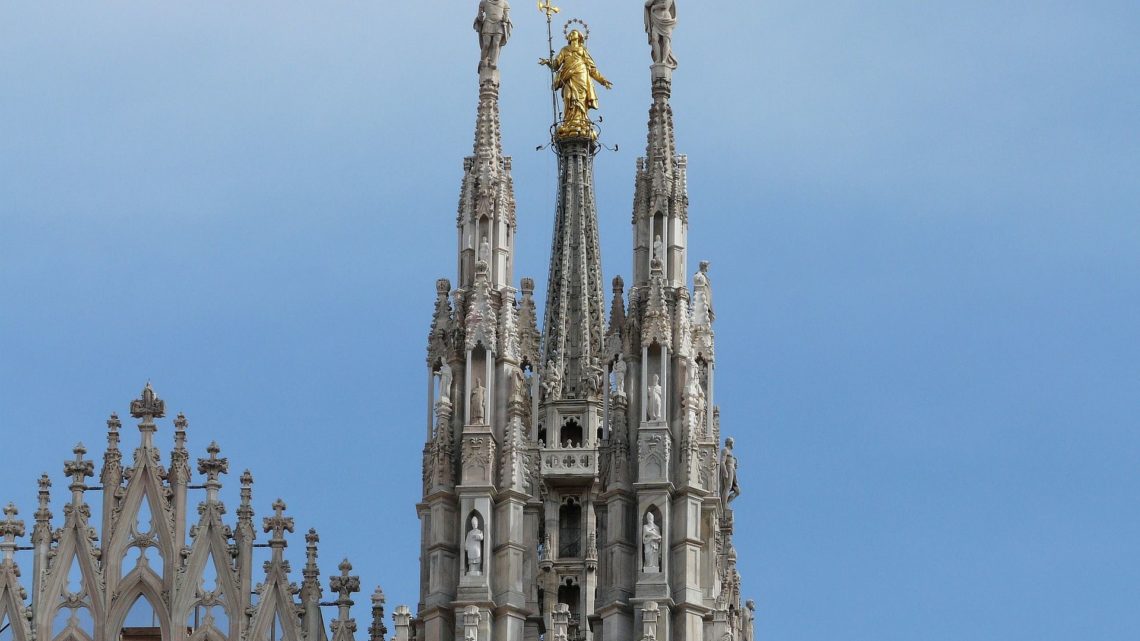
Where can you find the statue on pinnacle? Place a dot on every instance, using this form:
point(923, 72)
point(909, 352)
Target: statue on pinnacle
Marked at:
point(493, 23)
point(660, 19)
point(574, 74)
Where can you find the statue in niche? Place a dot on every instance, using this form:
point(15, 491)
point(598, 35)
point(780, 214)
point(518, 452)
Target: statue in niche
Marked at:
point(485, 251)
point(445, 377)
point(660, 19)
point(702, 296)
point(651, 541)
point(655, 399)
point(620, 368)
point(493, 23)
point(658, 249)
point(478, 403)
point(552, 382)
point(729, 486)
point(473, 545)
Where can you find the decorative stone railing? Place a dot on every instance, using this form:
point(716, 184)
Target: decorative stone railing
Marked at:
point(569, 461)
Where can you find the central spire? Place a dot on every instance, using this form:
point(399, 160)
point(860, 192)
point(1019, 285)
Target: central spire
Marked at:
point(573, 329)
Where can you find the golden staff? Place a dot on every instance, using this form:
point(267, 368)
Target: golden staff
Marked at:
point(549, 9)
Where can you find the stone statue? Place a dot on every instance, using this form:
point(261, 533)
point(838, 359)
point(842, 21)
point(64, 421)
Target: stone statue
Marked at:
point(552, 380)
point(485, 251)
point(655, 398)
point(478, 403)
point(619, 375)
point(573, 69)
point(702, 296)
point(749, 625)
point(473, 545)
point(651, 541)
point(729, 486)
point(493, 22)
point(660, 19)
point(445, 377)
point(658, 248)
point(518, 387)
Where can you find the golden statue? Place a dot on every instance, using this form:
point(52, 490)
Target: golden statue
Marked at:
point(573, 69)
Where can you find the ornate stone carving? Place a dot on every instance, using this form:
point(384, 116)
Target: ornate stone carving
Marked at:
point(478, 452)
point(482, 320)
point(654, 450)
point(552, 380)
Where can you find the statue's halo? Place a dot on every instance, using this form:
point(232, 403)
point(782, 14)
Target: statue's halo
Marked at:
point(585, 27)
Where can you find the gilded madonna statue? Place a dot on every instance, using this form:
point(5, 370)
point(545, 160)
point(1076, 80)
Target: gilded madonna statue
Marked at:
point(574, 73)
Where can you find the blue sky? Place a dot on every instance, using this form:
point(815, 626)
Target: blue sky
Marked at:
point(922, 219)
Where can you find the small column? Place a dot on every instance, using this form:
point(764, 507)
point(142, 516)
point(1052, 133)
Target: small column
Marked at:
point(403, 621)
point(560, 622)
point(649, 621)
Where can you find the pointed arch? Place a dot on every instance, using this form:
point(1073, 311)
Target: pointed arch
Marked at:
point(209, 585)
point(73, 567)
point(276, 610)
point(138, 585)
point(145, 488)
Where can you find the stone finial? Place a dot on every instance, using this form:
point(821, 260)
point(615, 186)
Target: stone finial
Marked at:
point(245, 508)
point(311, 540)
point(78, 469)
point(43, 511)
point(148, 406)
point(377, 631)
point(278, 525)
point(403, 620)
point(443, 287)
point(649, 614)
point(344, 585)
point(112, 474)
point(527, 286)
point(213, 468)
point(10, 529)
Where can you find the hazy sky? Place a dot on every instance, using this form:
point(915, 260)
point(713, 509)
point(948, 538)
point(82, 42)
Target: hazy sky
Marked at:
point(923, 220)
